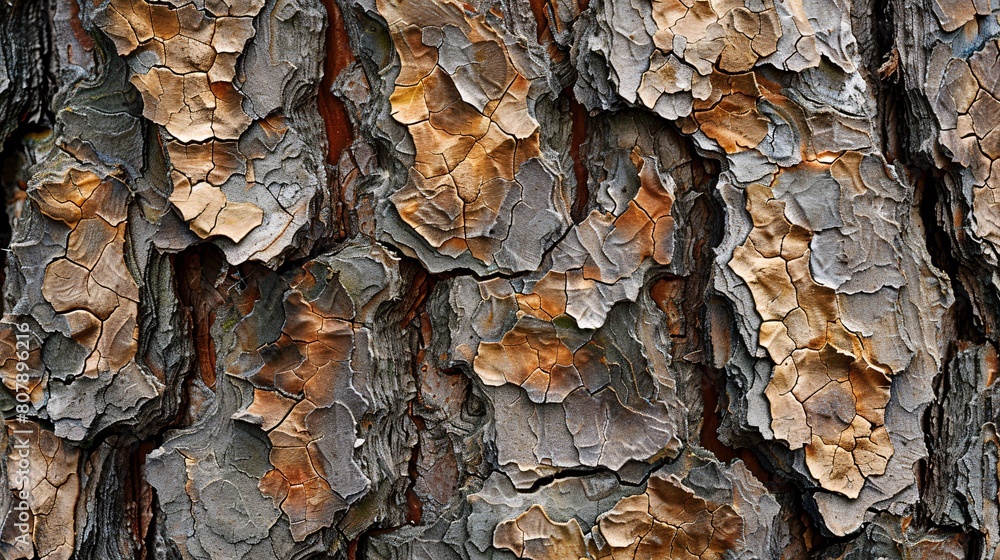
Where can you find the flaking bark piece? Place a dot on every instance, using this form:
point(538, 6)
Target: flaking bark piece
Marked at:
point(673, 517)
point(305, 394)
point(43, 474)
point(91, 286)
point(182, 59)
point(479, 182)
point(549, 351)
point(827, 391)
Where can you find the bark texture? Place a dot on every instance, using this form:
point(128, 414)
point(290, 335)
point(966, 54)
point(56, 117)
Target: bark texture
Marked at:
point(541, 279)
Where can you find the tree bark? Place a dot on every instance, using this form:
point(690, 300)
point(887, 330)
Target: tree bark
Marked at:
point(546, 279)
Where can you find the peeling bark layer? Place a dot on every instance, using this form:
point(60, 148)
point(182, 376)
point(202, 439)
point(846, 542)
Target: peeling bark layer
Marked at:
point(685, 279)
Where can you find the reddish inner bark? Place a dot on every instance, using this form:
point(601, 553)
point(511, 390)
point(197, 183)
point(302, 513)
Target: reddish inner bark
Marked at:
point(331, 108)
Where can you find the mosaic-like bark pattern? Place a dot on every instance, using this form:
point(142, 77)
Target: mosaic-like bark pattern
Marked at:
point(479, 185)
point(49, 486)
point(187, 88)
point(772, 120)
point(600, 252)
point(430, 279)
point(823, 370)
point(667, 521)
point(92, 289)
point(304, 393)
point(183, 60)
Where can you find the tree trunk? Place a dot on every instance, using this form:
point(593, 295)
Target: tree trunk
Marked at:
point(558, 279)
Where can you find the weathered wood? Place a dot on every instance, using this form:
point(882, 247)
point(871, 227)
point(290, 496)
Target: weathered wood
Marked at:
point(430, 279)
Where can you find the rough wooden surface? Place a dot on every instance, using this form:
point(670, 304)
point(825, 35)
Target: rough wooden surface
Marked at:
point(542, 279)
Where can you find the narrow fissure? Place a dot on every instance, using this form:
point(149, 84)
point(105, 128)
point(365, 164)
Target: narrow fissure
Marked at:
point(333, 110)
point(33, 127)
point(14, 164)
point(339, 55)
point(578, 140)
point(412, 320)
point(140, 500)
point(712, 386)
point(890, 94)
point(967, 324)
point(196, 293)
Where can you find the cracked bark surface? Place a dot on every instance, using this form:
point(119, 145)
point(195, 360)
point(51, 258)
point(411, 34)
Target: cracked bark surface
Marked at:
point(565, 279)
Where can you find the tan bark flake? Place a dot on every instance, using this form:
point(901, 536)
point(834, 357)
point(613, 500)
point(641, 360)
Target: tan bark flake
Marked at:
point(827, 392)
